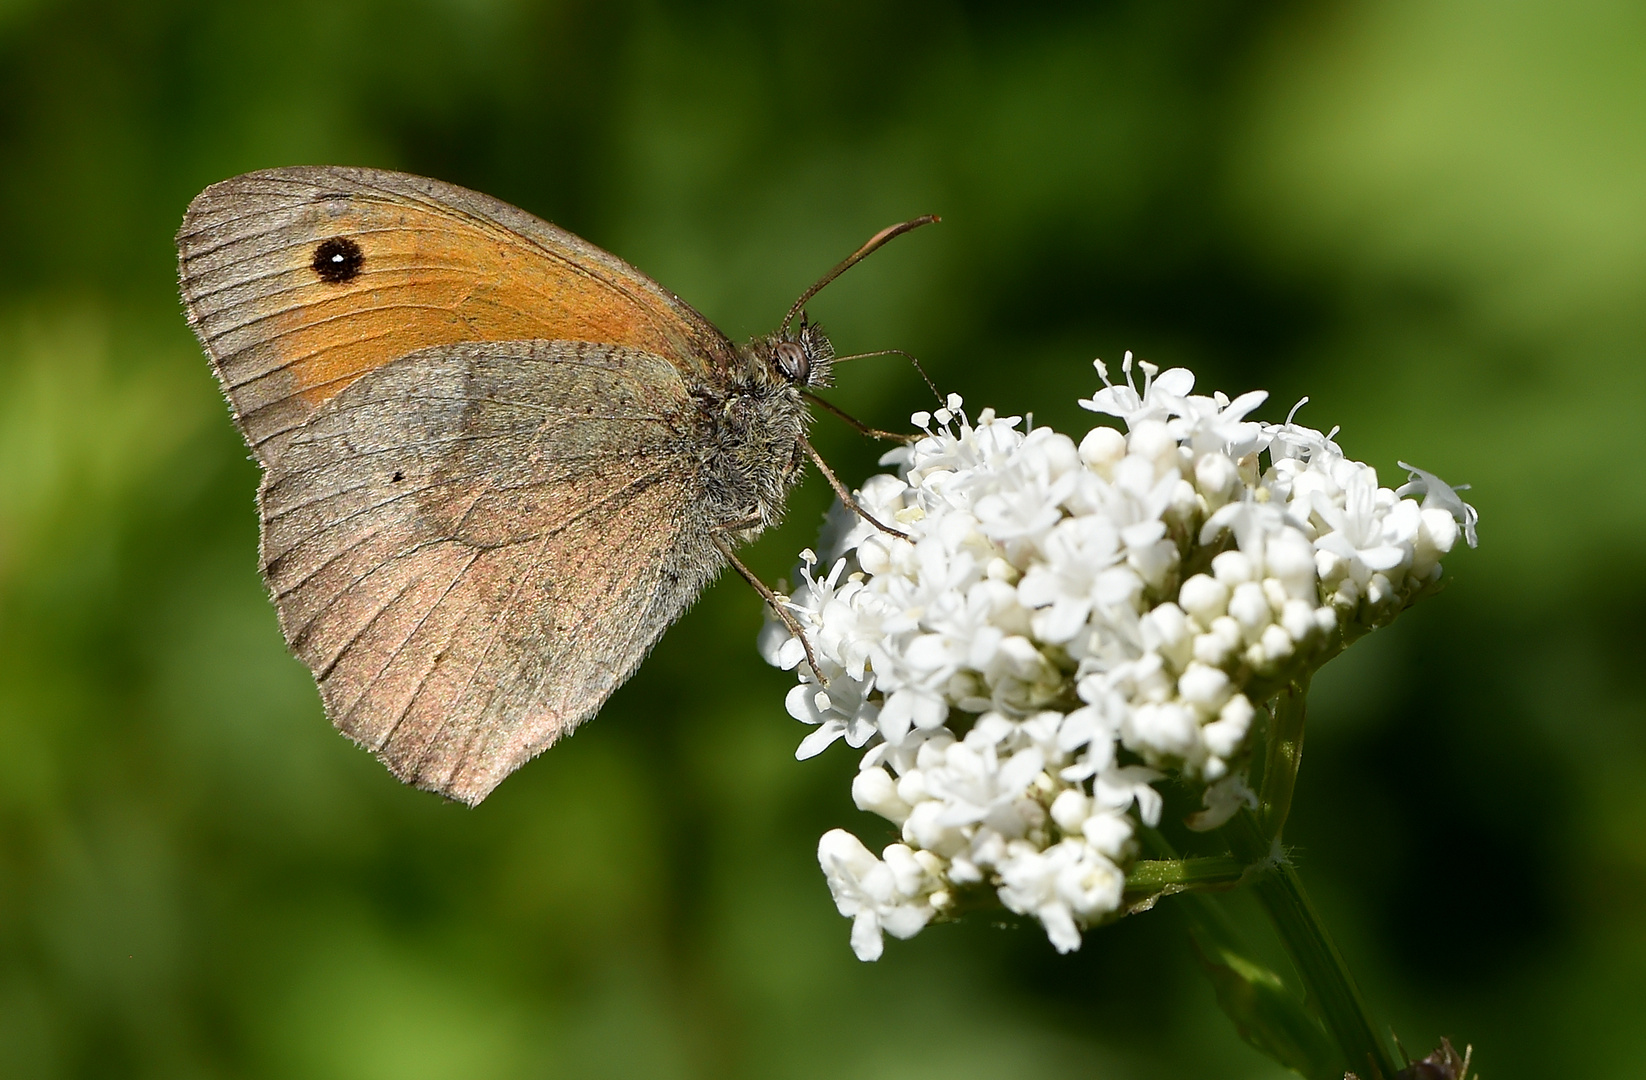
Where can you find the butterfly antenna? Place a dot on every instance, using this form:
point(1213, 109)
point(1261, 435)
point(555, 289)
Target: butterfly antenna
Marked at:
point(910, 357)
point(875, 242)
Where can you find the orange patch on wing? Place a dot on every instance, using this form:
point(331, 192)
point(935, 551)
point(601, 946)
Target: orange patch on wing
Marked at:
point(429, 279)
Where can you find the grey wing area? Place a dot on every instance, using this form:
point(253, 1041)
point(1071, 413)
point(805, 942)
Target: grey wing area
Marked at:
point(474, 545)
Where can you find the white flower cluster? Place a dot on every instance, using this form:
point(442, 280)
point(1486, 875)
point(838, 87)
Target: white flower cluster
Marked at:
point(1067, 624)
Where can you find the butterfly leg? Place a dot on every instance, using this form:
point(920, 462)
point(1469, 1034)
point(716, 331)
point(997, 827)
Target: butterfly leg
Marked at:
point(846, 499)
point(773, 601)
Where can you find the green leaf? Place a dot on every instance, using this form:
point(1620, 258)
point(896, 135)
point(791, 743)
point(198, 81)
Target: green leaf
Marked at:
point(1268, 1015)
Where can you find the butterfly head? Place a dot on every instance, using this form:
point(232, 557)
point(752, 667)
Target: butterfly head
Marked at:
point(799, 356)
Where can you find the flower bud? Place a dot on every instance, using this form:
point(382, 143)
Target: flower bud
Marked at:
point(874, 790)
point(1071, 809)
point(1217, 476)
point(1204, 597)
point(1101, 448)
point(1206, 688)
point(1152, 441)
point(1233, 568)
point(1250, 608)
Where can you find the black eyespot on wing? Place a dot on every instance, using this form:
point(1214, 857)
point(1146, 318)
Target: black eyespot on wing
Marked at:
point(338, 259)
point(399, 476)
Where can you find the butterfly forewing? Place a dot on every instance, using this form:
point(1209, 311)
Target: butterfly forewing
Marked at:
point(298, 281)
point(472, 546)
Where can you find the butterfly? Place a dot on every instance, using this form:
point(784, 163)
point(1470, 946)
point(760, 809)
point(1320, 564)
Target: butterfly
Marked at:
point(497, 461)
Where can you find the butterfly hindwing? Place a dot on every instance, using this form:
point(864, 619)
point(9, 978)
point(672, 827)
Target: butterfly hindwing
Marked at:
point(473, 545)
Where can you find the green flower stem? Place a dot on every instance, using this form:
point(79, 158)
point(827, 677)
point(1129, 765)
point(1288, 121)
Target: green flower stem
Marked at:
point(1331, 989)
point(1283, 757)
point(1165, 876)
point(1266, 1013)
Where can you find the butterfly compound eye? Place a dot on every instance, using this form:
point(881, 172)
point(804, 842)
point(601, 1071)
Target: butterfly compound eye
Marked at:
point(791, 361)
point(338, 259)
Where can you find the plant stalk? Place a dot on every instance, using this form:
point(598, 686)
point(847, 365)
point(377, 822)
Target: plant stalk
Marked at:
point(1254, 838)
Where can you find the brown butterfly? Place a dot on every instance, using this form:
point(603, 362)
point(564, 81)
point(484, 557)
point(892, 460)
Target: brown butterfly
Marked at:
point(497, 461)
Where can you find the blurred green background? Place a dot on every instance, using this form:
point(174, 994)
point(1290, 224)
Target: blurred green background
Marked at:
point(1429, 216)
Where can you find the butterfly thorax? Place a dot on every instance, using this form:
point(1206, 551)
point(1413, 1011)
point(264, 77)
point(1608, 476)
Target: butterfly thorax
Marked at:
point(757, 425)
